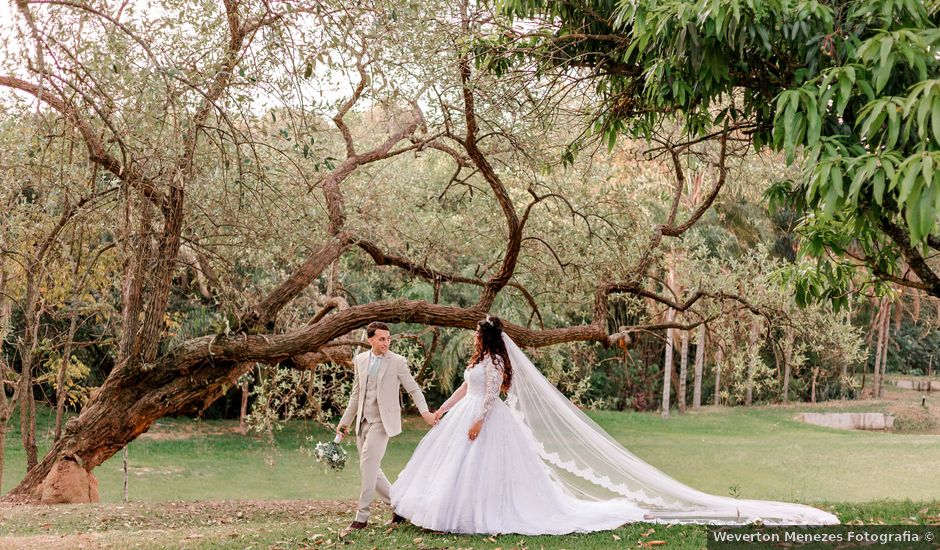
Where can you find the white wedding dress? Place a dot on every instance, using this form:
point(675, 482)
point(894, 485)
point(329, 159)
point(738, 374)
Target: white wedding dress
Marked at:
point(496, 483)
point(541, 466)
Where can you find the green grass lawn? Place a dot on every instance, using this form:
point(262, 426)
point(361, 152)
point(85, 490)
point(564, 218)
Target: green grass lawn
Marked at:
point(761, 452)
point(200, 484)
point(316, 523)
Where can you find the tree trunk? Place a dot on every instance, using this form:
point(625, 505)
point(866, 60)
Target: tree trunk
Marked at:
point(882, 322)
point(787, 363)
point(6, 410)
point(752, 363)
point(884, 351)
point(125, 473)
point(6, 405)
point(27, 354)
point(667, 368)
point(192, 376)
point(719, 359)
point(812, 395)
point(61, 392)
point(3, 434)
point(683, 369)
point(243, 410)
point(699, 367)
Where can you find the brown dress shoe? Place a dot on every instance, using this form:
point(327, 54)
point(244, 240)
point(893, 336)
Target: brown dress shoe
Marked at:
point(354, 526)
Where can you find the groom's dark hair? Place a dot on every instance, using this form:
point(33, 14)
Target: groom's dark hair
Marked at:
point(374, 326)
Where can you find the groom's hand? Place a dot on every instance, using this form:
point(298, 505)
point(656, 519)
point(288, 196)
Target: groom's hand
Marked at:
point(342, 431)
point(429, 418)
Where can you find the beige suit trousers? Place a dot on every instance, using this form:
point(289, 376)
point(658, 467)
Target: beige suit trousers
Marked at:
point(371, 441)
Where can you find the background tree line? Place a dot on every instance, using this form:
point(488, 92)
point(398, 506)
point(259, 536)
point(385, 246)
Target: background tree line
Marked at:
point(194, 212)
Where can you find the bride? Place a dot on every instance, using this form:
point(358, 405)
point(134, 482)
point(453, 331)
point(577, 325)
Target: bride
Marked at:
point(535, 464)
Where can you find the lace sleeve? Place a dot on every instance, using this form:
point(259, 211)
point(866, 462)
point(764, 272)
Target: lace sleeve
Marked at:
point(494, 380)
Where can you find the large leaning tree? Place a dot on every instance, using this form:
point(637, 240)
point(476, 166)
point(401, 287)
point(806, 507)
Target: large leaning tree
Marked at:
point(255, 146)
point(849, 89)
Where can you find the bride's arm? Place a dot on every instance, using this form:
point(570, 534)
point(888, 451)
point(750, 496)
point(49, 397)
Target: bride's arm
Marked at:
point(494, 380)
point(452, 400)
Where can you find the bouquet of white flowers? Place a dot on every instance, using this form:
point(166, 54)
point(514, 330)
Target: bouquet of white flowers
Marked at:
point(331, 454)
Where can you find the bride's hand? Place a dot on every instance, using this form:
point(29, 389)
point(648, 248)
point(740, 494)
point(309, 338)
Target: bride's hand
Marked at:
point(438, 414)
point(475, 430)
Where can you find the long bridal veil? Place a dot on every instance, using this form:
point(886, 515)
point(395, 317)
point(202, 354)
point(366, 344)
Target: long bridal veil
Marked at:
point(591, 465)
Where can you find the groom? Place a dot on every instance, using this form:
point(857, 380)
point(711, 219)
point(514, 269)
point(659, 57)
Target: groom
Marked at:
point(375, 405)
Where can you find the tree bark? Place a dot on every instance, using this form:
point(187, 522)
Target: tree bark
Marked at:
point(667, 367)
point(812, 394)
point(752, 362)
point(61, 391)
point(3, 433)
point(699, 367)
point(243, 410)
point(27, 355)
point(879, 342)
point(7, 404)
point(719, 359)
point(192, 376)
point(884, 350)
point(125, 473)
point(683, 369)
point(787, 362)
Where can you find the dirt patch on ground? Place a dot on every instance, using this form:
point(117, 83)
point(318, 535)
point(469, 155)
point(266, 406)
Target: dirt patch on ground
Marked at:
point(914, 411)
point(109, 525)
point(187, 430)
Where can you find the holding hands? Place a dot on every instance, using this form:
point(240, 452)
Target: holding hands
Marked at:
point(430, 418)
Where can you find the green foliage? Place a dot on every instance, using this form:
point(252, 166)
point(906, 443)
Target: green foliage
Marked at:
point(281, 394)
point(77, 390)
point(849, 88)
point(914, 349)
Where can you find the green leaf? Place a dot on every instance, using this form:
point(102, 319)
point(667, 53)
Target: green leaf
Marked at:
point(883, 74)
point(910, 171)
point(923, 111)
point(885, 50)
point(861, 176)
point(935, 118)
point(878, 185)
point(836, 178)
point(845, 93)
point(894, 124)
point(832, 201)
point(822, 176)
point(928, 212)
point(913, 215)
point(873, 118)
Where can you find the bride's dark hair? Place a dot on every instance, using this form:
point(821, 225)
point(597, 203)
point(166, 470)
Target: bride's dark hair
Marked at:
point(491, 343)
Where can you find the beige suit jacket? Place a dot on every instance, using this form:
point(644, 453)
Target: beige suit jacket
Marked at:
point(393, 374)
